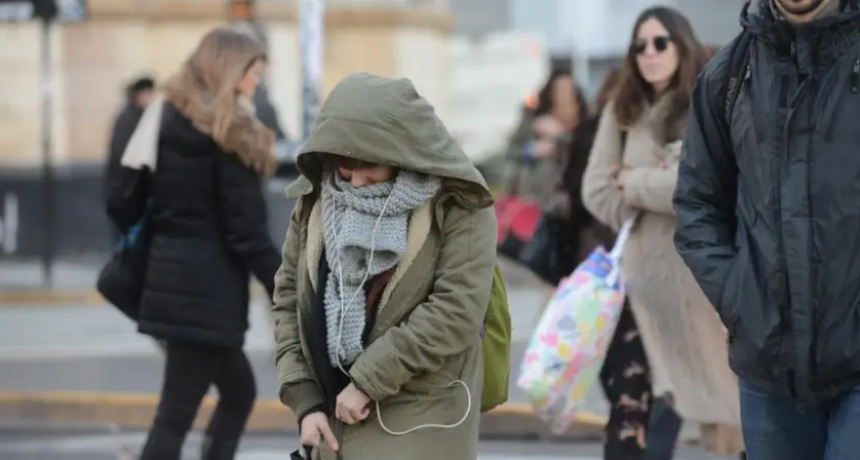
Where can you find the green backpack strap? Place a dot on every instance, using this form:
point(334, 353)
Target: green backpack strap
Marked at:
point(496, 346)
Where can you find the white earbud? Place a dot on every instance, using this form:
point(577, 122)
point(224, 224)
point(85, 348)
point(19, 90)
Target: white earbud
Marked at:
point(345, 305)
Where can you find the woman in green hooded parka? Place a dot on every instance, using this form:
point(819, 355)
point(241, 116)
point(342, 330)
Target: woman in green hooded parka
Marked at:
point(386, 276)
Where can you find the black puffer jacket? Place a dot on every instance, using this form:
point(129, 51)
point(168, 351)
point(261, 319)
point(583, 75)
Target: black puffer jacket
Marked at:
point(210, 234)
point(768, 203)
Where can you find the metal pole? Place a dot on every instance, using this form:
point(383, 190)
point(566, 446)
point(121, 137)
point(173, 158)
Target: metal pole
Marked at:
point(48, 196)
point(312, 14)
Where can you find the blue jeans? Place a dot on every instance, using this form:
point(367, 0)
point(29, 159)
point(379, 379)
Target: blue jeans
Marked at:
point(774, 429)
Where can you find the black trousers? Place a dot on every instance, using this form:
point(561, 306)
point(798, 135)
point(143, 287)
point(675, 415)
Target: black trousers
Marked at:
point(626, 380)
point(189, 372)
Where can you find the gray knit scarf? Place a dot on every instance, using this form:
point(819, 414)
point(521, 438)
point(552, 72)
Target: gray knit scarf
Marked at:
point(349, 216)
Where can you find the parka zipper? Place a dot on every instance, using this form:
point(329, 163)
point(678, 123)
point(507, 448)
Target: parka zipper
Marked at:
point(759, 120)
point(782, 156)
point(854, 85)
point(812, 285)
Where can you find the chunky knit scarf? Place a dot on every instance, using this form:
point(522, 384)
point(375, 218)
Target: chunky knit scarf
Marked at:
point(349, 217)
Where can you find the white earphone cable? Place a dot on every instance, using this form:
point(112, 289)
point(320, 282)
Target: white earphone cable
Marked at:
point(432, 425)
point(344, 306)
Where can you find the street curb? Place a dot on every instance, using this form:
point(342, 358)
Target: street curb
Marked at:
point(50, 297)
point(22, 298)
point(135, 411)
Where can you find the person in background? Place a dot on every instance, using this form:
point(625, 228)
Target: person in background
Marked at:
point(268, 114)
point(138, 95)
point(583, 233)
point(537, 147)
point(265, 111)
point(668, 344)
point(768, 219)
point(209, 234)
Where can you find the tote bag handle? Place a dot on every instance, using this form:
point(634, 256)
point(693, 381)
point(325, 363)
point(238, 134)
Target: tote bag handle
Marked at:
point(615, 256)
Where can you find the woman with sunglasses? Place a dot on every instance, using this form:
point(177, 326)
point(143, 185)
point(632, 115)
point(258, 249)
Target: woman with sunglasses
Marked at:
point(669, 343)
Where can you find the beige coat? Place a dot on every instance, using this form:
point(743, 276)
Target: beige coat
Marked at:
point(683, 337)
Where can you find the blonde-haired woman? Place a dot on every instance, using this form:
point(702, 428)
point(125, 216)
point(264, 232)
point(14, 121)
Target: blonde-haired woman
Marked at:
point(209, 229)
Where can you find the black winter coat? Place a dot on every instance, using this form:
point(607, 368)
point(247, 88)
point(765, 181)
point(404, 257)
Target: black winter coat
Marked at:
point(585, 232)
point(123, 127)
point(210, 233)
point(768, 204)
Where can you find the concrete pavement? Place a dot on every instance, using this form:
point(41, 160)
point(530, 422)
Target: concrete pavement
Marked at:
point(88, 364)
point(85, 362)
point(22, 282)
point(106, 445)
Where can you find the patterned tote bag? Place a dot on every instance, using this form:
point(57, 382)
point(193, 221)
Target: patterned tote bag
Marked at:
point(569, 345)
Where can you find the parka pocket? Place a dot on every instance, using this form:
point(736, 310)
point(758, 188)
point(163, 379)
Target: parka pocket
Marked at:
point(750, 315)
point(728, 307)
point(427, 384)
point(842, 100)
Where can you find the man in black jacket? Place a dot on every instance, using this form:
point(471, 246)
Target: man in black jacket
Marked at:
point(768, 205)
point(139, 94)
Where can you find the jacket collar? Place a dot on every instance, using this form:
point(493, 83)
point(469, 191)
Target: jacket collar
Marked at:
point(819, 41)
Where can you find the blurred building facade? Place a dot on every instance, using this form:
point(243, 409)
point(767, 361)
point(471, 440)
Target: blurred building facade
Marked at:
point(399, 38)
point(593, 33)
point(121, 39)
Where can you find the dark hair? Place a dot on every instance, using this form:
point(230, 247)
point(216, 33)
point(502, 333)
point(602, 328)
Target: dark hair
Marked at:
point(634, 93)
point(607, 90)
point(348, 163)
point(579, 151)
point(139, 85)
point(545, 104)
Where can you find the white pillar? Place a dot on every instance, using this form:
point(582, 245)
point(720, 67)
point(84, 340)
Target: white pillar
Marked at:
point(311, 17)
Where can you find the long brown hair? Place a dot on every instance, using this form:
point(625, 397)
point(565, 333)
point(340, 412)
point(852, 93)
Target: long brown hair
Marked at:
point(607, 90)
point(634, 94)
point(205, 90)
point(545, 102)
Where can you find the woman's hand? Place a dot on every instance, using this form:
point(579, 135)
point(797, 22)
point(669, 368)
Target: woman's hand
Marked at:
point(547, 126)
point(619, 177)
point(352, 405)
point(674, 148)
point(545, 148)
point(314, 428)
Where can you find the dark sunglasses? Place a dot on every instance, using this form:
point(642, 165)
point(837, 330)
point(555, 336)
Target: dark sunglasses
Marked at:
point(660, 42)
